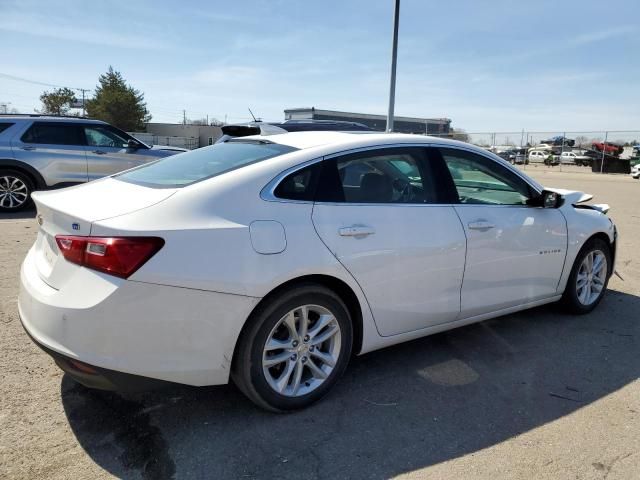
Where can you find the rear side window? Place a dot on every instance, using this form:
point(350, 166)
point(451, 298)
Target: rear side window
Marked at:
point(4, 126)
point(300, 185)
point(392, 175)
point(53, 133)
point(197, 165)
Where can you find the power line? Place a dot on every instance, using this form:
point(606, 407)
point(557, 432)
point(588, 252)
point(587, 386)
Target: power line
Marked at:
point(36, 82)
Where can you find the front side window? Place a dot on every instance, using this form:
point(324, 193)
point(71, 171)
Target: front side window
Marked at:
point(100, 136)
point(377, 176)
point(479, 180)
point(197, 165)
point(53, 133)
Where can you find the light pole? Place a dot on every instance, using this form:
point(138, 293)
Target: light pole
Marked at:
point(394, 61)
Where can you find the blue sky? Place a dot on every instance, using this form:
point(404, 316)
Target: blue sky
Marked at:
point(487, 65)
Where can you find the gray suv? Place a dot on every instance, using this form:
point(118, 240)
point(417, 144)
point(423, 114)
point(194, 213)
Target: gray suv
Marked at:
point(39, 152)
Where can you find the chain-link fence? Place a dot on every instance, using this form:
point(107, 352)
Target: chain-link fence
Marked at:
point(189, 143)
point(599, 151)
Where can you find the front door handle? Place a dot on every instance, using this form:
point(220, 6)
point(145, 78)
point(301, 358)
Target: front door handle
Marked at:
point(99, 152)
point(28, 147)
point(356, 231)
point(481, 225)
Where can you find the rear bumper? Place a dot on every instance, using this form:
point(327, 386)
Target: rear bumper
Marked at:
point(152, 331)
point(102, 378)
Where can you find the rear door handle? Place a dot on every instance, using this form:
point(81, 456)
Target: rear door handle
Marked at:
point(28, 147)
point(356, 231)
point(99, 152)
point(481, 225)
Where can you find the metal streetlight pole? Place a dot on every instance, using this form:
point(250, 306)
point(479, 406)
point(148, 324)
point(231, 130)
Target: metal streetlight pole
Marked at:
point(394, 61)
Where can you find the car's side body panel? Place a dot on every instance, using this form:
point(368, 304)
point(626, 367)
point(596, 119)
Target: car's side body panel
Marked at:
point(583, 224)
point(517, 259)
point(410, 267)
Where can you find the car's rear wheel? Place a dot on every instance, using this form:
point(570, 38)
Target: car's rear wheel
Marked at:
point(589, 277)
point(294, 349)
point(15, 190)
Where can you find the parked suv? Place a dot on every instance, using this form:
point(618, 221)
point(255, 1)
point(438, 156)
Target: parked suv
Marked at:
point(39, 152)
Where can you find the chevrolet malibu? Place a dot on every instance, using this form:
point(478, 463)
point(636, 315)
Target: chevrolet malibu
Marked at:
point(271, 260)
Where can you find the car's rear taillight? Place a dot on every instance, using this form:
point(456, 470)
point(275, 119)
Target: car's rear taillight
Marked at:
point(119, 256)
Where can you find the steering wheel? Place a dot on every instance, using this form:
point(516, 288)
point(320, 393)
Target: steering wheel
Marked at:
point(404, 188)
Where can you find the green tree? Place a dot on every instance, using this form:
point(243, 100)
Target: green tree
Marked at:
point(117, 103)
point(57, 102)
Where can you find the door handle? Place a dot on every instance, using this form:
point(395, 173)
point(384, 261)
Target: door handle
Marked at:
point(481, 225)
point(28, 147)
point(99, 152)
point(356, 231)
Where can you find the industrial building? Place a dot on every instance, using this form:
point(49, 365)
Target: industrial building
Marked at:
point(429, 126)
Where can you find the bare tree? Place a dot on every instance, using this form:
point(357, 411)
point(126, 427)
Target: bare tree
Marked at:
point(459, 134)
point(581, 141)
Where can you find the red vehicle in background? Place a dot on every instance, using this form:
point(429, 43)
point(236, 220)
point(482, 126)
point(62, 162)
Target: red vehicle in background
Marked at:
point(608, 148)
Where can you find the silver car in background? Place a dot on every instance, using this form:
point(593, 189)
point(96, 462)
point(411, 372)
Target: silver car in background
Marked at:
point(39, 152)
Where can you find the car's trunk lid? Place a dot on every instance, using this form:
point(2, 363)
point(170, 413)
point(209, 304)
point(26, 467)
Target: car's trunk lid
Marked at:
point(72, 211)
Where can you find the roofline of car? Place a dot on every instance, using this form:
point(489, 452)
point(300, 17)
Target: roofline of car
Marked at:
point(24, 116)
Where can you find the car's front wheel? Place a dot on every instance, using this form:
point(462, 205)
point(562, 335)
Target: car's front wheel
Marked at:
point(589, 277)
point(294, 348)
point(15, 190)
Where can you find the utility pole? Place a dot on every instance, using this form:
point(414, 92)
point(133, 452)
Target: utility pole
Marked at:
point(83, 106)
point(604, 147)
point(184, 117)
point(394, 61)
point(4, 107)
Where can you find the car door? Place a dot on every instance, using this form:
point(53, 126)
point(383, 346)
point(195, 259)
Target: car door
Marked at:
point(108, 151)
point(515, 252)
point(379, 212)
point(55, 149)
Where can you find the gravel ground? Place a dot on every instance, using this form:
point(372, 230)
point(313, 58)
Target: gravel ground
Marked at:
point(537, 394)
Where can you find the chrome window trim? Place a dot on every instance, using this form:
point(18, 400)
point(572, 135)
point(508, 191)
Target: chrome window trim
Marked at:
point(268, 191)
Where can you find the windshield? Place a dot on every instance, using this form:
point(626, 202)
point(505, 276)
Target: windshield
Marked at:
point(197, 165)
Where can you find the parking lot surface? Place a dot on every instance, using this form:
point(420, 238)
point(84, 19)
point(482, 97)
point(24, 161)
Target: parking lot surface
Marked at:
point(538, 394)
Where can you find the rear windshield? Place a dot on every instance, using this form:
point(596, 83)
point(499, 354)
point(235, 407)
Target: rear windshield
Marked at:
point(190, 167)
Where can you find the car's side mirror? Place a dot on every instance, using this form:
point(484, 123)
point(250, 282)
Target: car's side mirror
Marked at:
point(547, 199)
point(133, 144)
point(551, 199)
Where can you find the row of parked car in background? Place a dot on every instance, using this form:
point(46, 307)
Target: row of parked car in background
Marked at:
point(560, 150)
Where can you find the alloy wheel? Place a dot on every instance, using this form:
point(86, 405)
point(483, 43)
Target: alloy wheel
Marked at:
point(301, 350)
point(13, 192)
point(591, 278)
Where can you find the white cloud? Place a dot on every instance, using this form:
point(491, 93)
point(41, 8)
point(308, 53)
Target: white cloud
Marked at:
point(598, 36)
point(68, 25)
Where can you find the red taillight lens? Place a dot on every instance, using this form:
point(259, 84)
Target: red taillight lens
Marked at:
point(119, 256)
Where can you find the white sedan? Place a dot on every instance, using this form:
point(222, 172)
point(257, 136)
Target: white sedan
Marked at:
point(272, 259)
point(635, 171)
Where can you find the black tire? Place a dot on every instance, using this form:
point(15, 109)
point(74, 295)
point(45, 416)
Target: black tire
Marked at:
point(570, 300)
point(7, 176)
point(247, 371)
